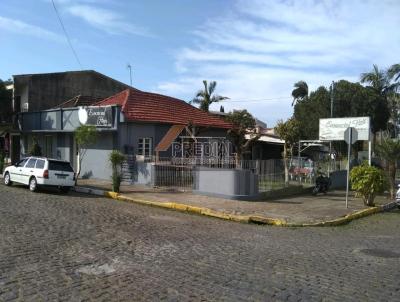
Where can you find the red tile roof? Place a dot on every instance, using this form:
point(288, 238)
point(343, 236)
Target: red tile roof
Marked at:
point(151, 107)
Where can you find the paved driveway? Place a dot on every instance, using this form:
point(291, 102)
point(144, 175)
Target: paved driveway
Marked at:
point(77, 247)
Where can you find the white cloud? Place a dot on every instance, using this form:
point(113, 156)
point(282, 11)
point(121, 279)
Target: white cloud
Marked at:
point(106, 20)
point(261, 48)
point(20, 27)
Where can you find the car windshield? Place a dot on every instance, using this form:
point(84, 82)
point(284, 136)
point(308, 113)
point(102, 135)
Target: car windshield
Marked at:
point(60, 166)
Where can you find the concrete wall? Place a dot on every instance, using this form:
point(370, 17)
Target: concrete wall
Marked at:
point(129, 134)
point(226, 183)
point(95, 162)
point(45, 91)
point(144, 173)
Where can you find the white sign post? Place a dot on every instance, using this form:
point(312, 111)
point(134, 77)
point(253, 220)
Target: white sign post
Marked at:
point(350, 136)
point(350, 129)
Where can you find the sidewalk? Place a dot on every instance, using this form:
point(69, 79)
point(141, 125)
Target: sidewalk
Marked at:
point(305, 209)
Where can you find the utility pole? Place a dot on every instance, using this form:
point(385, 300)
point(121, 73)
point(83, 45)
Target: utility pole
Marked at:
point(130, 72)
point(330, 143)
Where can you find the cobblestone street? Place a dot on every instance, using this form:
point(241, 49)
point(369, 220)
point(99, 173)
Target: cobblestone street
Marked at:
point(79, 247)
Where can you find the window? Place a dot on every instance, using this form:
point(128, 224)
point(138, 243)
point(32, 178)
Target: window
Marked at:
point(145, 146)
point(60, 166)
point(21, 163)
point(31, 163)
point(40, 164)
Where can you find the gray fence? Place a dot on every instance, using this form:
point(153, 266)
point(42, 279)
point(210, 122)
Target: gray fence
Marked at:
point(178, 174)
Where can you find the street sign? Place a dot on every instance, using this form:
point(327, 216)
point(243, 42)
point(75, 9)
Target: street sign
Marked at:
point(350, 135)
point(332, 129)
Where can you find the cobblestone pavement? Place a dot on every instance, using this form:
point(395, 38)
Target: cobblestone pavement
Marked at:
point(78, 247)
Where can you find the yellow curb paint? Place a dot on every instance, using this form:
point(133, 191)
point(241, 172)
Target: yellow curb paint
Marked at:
point(244, 218)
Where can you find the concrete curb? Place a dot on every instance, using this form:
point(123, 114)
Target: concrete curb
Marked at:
point(240, 218)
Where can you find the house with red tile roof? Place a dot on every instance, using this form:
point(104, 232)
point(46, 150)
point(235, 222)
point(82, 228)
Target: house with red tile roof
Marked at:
point(145, 126)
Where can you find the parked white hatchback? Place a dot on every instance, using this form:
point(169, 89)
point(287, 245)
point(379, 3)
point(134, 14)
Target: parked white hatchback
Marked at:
point(41, 171)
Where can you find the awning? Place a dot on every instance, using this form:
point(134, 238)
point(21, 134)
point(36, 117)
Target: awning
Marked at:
point(169, 137)
point(267, 139)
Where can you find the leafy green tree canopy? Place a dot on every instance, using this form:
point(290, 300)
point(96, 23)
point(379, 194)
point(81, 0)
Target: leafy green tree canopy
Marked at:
point(242, 123)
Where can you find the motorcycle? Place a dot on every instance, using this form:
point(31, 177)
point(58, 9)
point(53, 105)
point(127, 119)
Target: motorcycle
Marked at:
point(322, 184)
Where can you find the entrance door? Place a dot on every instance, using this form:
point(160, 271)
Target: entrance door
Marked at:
point(15, 148)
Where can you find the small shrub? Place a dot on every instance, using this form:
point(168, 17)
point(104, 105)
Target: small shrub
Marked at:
point(35, 149)
point(367, 181)
point(116, 181)
point(116, 159)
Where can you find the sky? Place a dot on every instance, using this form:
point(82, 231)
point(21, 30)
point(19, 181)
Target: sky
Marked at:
point(255, 49)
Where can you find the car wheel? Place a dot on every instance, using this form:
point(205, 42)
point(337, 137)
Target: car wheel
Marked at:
point(33, 184)
point(65, 189)
point(7, 179)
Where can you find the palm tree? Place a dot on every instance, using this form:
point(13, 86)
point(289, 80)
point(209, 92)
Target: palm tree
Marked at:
point(300, 92)
point(394, 72)
point(377, 79)
point(205, 97)
point(389, 150)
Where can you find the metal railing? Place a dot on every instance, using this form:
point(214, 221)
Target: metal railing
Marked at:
point(176, 177)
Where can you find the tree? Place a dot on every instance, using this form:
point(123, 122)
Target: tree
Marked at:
point(367, 181)
point(242, 123)
point(116, 159)
point(205, 97)
point(35, 150)
point(85, 136)
point(350, 99)
point(289, 131)
point(394, 72)
point(377, 79)
point(300, 92)
point(310, 110)
point(389, 150)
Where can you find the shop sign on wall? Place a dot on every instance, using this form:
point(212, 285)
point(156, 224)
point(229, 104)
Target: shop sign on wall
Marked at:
point(99, 116)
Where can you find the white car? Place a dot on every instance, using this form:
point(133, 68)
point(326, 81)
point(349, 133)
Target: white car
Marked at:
point(398, 193)
point(40, 171)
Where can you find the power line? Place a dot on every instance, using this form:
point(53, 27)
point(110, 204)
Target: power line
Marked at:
point(257, 100)
point(66, 34)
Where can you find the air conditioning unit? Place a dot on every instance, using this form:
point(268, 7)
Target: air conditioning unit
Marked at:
point(25, 106)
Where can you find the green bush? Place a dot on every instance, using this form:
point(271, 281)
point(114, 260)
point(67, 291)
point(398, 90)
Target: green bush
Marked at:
point(368, 181)
point(35, 149)
point(116, 159)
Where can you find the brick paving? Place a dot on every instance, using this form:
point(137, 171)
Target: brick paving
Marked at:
point(81, 248)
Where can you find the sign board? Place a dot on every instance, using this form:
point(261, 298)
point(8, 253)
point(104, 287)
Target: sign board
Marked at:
point(332, 129)
point(99, 116)
point(350, 135)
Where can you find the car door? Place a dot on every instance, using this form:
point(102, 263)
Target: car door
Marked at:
point(16, 170)
point(28, 170)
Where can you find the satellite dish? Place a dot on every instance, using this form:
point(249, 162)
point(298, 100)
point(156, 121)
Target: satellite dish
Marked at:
point(82, 115)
